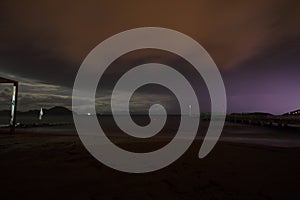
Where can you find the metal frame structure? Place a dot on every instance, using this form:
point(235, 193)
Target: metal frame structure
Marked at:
point(14, 101)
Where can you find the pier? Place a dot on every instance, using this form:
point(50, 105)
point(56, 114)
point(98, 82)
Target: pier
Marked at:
point(271, 120)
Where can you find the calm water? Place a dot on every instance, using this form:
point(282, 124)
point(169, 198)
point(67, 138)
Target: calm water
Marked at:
point(232, 132)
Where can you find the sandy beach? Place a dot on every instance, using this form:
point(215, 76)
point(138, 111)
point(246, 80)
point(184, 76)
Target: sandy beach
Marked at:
point(40, 165)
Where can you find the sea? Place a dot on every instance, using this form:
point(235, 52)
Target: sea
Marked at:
point(273, 136)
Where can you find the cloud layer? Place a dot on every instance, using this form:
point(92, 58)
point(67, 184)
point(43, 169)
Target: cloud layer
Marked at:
point(254, 43)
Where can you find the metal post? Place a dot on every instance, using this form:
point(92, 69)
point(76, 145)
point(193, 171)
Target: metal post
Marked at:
point(14, 108)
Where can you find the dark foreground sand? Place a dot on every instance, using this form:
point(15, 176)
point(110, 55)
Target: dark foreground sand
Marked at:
point(58, 167)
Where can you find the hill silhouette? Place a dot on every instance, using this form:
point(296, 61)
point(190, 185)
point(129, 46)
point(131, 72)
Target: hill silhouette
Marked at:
point(57, 110)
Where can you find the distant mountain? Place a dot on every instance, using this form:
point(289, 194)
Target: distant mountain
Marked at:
point(58, 110)
point(253, 114)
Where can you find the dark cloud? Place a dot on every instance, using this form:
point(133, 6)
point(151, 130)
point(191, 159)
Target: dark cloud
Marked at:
point(254, 43)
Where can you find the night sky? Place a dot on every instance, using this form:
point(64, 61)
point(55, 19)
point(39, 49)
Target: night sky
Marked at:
point(255, 44)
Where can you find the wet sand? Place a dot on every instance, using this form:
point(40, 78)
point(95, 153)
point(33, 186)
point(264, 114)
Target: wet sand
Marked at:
point(45, 166)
